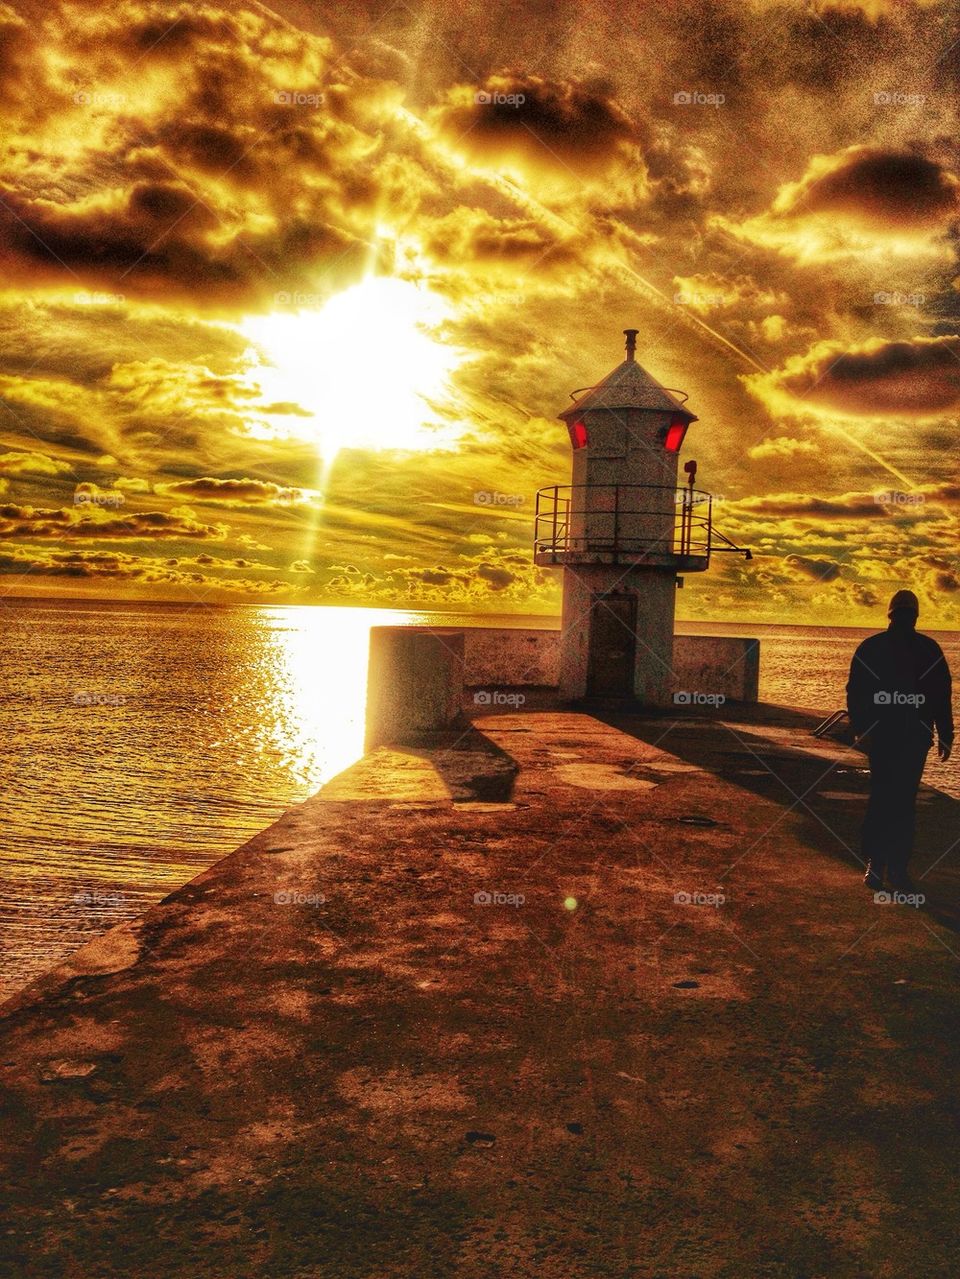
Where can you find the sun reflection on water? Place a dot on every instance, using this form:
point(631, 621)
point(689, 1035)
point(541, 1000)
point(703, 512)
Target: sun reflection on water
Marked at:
point(317, 659)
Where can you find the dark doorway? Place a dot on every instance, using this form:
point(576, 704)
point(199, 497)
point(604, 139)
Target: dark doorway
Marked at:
point(613, 645)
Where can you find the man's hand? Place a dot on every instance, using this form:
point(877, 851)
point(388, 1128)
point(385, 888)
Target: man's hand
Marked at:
point(944, 749)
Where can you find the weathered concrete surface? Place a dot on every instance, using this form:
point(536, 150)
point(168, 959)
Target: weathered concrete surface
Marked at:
point(711, 664)
point(501, 656)
point(415, 682)
point(395, 1081)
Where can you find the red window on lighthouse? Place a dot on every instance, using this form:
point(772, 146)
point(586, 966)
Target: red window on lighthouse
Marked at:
point(675, 433)
point(578, 434)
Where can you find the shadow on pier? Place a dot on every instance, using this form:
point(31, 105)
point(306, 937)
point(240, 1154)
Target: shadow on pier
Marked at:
point(769, 751)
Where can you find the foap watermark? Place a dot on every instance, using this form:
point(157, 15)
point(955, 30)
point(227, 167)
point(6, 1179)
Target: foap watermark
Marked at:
point(291, 897)
point(485, 98)
point(896, 497)
point(899, 299)
point(108, 98)
point(296, 98)
point(698, 899)
point(483, 898)
point(84, 698)
point(299, 299)
point(99, 299)
point(497, 697)
point(485, 498)
point(506, 297)
point(886, 697)
point(83, 498)
point(695, 698)
point(97, 897)
point(682, 497)
point(895, 98)
point(896, 898)
point(700, 301)
point(683, 98)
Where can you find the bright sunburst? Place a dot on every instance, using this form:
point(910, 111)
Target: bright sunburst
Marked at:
point(359, 373)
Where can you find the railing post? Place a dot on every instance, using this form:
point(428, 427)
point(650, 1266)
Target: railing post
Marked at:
point(556, 503)
point(709, 523)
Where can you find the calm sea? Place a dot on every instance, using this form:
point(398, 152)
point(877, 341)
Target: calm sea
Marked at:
point(145, 741)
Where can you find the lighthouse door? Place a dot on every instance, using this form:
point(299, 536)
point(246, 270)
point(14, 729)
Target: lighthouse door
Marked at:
point(613, 645)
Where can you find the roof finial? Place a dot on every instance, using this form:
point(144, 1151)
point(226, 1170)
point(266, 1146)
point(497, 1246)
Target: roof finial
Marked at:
point(631, 336)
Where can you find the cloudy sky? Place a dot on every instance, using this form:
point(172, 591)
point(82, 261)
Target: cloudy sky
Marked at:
point(291, 296)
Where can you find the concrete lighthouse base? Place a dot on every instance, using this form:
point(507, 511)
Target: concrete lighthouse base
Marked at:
point(617, 634)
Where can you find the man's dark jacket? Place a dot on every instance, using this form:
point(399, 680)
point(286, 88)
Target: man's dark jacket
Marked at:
point(899, 686)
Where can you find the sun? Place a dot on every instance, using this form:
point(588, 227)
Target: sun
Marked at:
point(360, 372)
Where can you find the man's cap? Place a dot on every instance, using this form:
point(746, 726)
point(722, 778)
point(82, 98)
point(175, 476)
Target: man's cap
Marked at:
point(905, 599)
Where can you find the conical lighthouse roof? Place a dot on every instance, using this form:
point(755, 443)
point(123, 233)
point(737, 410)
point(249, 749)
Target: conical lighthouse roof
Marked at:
point(629, 386)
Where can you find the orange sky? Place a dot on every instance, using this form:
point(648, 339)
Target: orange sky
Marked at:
point(288, 294)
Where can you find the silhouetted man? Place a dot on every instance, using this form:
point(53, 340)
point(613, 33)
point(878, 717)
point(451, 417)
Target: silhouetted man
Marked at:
point(897, 693)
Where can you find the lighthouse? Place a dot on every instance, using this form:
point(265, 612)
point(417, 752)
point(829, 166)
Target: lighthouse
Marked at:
point(623, 531)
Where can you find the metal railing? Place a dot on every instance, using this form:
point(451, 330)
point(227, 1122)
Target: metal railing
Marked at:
point(830, 722)
point(636, 521)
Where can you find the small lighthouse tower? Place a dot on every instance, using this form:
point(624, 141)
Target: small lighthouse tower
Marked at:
point(623, 531)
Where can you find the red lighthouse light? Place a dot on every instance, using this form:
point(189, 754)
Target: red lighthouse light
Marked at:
point(674, 436)
point(578, 434)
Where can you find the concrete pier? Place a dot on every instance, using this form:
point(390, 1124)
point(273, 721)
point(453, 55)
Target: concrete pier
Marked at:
point(553, 995)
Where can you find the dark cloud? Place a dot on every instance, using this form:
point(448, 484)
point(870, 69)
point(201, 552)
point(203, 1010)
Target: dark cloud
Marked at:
point(30, 522)
point(555, 124)
point(844, 507)
point(498, 577)
point(917, 377)
point(875, 185)
point(119, 566)
point(435, 576)
point(819, 570)
point(220, 185)
point(159, 241)
point(863, 596)
point(243, 492)
point(945, 575)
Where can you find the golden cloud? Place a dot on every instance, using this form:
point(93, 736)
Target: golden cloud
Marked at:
point(31, 464)
point(782, 446)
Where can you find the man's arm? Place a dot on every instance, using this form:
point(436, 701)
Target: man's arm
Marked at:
point(943, 705)
point(860, 694)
